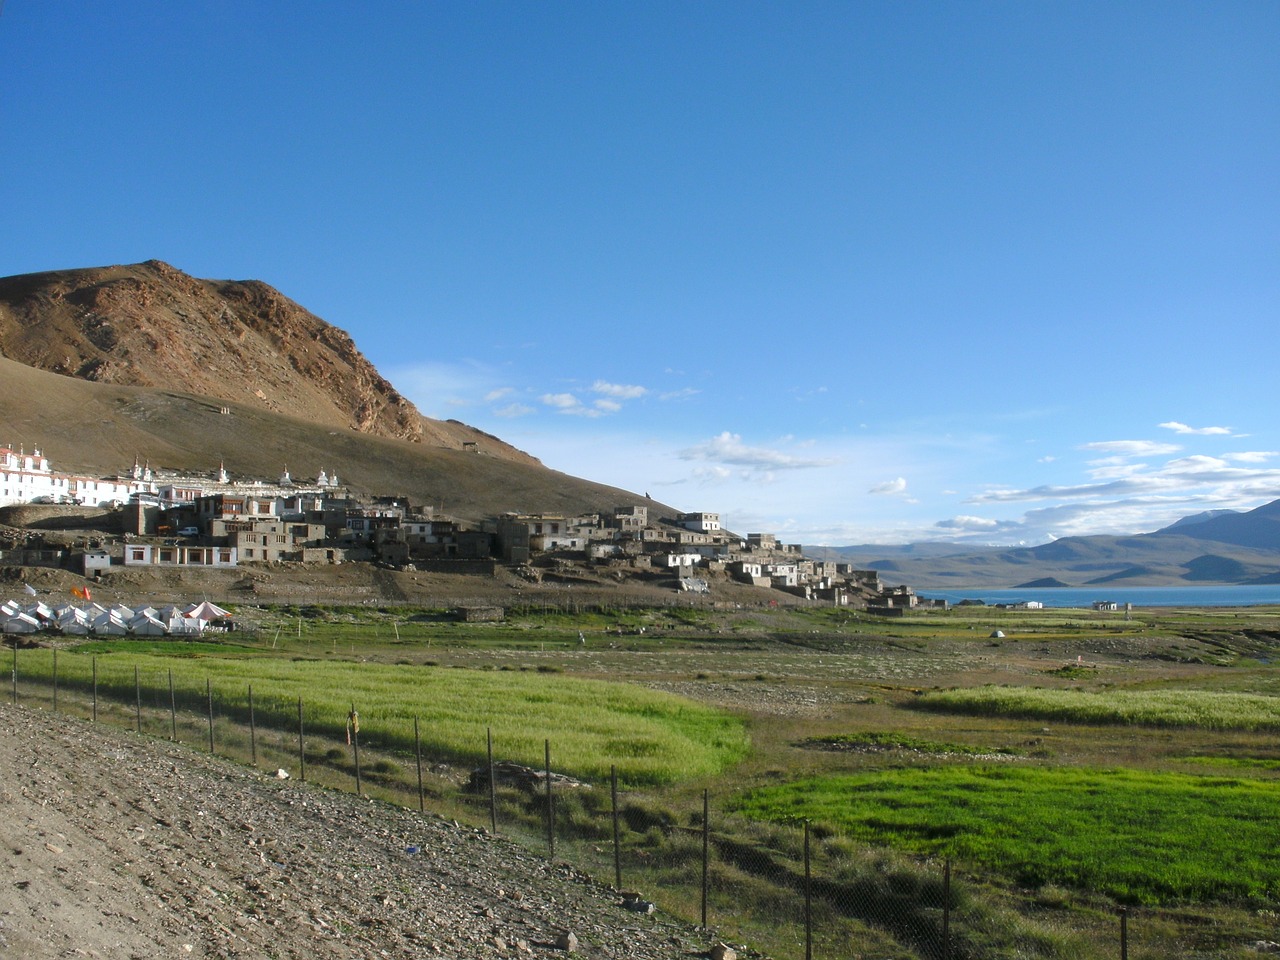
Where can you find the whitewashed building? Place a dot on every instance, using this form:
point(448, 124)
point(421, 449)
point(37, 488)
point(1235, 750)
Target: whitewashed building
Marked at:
point(700, 522)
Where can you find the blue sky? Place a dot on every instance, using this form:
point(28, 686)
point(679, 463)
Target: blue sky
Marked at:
point(994, 272)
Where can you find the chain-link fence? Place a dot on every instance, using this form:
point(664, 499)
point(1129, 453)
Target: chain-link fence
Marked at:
point(789, 891)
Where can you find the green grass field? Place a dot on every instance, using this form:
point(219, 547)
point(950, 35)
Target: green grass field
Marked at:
point(1209, 710)
point(1139, 837)
point(1140, 756)
point(651, 737)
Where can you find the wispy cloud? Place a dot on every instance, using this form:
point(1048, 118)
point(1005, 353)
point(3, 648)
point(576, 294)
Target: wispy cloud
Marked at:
point(967, 523)
point(621, 391)
point(438, 388)
point(684, 393)
point(562, 401)
point(1182, 428)
point(890, 487)
point(513, 410)
point(1133, 448)
point(728, 448)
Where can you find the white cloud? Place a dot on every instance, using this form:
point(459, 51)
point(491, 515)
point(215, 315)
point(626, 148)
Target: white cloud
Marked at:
point(895, 486)
point(968, 523)
point(437, 388)
point(684, 393)
point(622, 391)
point(1182, 428)
point(1133, 448)
point(563, 401)
point(728, 448)
point(1252, 456)
point(715, 473)
point(512, 410)
point(569, 405)
point(1129, 485)
point(608, 406)
point(495, 395)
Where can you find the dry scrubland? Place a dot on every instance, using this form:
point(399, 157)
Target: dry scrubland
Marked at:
point(1078, 765)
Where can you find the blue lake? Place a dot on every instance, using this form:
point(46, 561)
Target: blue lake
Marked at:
point(1138, 596)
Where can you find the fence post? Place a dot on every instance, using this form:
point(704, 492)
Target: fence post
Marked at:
point(946, 909)
point(353, 737)
point(15, 669)
point(137, 699)
point(617, 850)
point(253, 731)
point(302, 753)
point(551, 805)
point(55, 679)
point(493, 789)
point(808, 898)
point(417, 752)
point(95, 689)
point(706, 849)
point(1124, 933)
point(208, 691)
point(173, 709)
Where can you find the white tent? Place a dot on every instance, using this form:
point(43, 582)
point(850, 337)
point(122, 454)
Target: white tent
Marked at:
point(144, 626)
point(41, 612)
point(108, 624)
point(180, 626)
point(19, 623)
point(207, 611)
point(75, 623)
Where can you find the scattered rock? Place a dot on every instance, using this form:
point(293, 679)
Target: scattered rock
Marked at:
point(566, 941)
point(227, 862)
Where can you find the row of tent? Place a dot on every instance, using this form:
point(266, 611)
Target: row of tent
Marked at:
point(114, 621)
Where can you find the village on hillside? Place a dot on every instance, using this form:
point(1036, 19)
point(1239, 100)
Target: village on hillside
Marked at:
point(172, 520)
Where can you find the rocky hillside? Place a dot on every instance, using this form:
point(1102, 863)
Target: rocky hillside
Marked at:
point(151, 325)
point(99, 367)
point(116, 845)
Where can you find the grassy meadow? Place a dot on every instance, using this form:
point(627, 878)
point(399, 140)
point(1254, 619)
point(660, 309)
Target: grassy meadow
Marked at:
point(1080, 763)
point(1197, 709)
point(652, 738)
point(1136, 836)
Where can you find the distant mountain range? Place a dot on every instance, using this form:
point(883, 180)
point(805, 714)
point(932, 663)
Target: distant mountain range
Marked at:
point(1216, 547)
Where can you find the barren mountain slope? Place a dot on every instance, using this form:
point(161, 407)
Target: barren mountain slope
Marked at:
point(151, 325)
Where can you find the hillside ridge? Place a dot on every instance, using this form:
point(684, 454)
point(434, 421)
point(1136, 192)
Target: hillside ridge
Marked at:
point(1224, 547)
point(152, 325)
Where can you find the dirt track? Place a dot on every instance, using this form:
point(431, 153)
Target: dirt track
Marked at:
point(117, 846)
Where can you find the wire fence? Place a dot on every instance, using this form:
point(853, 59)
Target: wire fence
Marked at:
point(789, 891)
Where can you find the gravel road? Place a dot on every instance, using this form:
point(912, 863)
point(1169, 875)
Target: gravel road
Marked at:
point(119, 846)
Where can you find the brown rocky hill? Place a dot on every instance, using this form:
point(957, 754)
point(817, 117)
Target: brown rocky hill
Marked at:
point(151, 325)
point(102, 366)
